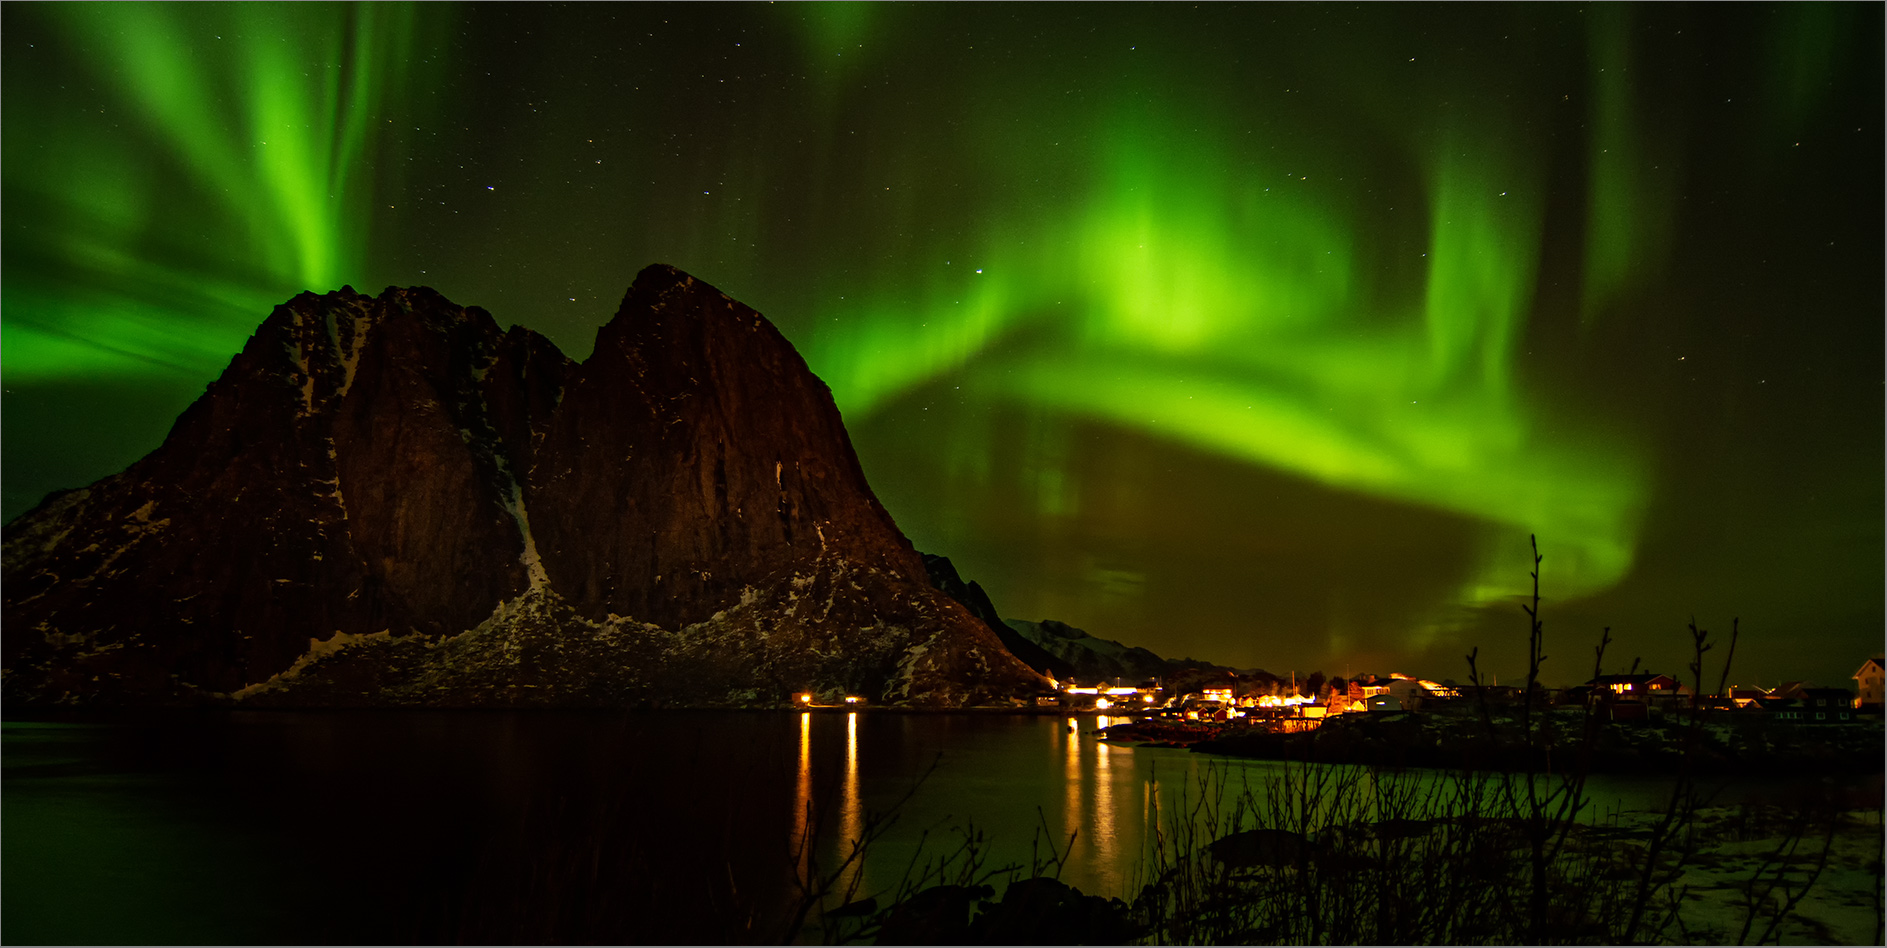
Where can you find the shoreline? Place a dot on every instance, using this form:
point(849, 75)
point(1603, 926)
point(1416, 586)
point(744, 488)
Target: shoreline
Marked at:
point(1453, 742)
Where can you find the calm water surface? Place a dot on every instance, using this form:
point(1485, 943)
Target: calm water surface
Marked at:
point(464, 826)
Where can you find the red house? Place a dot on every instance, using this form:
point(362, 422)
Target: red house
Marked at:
point(1639, 686)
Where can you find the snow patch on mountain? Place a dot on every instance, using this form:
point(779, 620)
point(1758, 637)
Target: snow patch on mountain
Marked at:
point(317, 650)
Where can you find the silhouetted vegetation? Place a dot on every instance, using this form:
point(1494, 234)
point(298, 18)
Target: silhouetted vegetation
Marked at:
point(1350, 854)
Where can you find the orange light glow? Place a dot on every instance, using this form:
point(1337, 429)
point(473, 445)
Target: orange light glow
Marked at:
point(1103, 703)
point(805, 699)
point(852, 805)
point(802, 805)
point(852, 699)
point(1273, 701)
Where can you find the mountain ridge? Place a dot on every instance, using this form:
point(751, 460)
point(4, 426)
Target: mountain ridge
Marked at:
point(377, 484)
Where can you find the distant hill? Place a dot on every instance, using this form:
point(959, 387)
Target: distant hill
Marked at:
point(943, 575)
point(1090, 659)
point(1070, 654)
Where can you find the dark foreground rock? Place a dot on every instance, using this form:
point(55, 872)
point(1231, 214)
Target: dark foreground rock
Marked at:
point(393, 501)
point(1033, 911)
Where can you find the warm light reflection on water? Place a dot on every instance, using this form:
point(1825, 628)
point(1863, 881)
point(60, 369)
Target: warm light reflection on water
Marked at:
point(1016, 778)
point(852, 807)
point(220, 840)
point(1071, 807)
point(802, 797)
point(1094, 792)
point(1105, 820)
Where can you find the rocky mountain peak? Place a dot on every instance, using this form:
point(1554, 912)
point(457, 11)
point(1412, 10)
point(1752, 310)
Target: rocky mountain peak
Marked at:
point(693, 409)
point(360, 507)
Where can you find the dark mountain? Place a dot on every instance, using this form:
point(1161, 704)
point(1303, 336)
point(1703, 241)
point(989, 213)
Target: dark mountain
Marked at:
point(1102, 660)
point(1070, 654)
point(943, 575)
point(391, 501)
point(1092, 659)
point(1096, 660)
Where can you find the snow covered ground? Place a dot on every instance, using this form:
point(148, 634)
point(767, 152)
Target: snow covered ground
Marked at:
point(1747, 866)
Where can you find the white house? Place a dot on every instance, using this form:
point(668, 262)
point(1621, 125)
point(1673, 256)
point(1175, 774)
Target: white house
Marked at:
point(1867, 682)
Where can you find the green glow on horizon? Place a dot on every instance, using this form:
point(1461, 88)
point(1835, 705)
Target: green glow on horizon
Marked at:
point(262, 114)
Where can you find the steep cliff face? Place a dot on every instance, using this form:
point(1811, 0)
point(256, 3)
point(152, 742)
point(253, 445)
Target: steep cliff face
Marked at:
point(698, 427)
point(391, 501)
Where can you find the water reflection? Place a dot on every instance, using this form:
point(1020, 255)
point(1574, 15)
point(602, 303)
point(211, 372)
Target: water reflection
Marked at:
point(1015, 777)
point(213, 830)
point(802, 798)
point(1071, 780)
point(852, 807)
point(1104, 821)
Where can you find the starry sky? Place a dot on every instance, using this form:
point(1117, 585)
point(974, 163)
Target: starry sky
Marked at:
point(1265, 334)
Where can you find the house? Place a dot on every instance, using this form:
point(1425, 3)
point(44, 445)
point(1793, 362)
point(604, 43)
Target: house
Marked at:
point(1868, 682)
point(1648, 689)
point(1103, 697)
point(1472, 696)
point(1625, 709)
point(1409, 694)
point(1364, 687)
point(1647, 685)
point(1789, 689)
point(1746, 697)
point(1575, 695)
point(1788, 710)
point(1827, 705)
point(1811, 705)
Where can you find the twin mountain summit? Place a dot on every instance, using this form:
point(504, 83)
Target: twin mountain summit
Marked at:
point(392, 501)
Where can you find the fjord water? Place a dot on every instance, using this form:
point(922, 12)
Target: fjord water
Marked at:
point(307, 827)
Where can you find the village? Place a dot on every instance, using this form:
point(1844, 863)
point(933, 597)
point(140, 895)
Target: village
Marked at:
point(1288, 705)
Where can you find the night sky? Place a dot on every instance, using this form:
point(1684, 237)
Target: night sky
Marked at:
point(1262, 334)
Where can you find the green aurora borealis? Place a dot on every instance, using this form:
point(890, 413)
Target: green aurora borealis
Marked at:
point(1265, 334)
